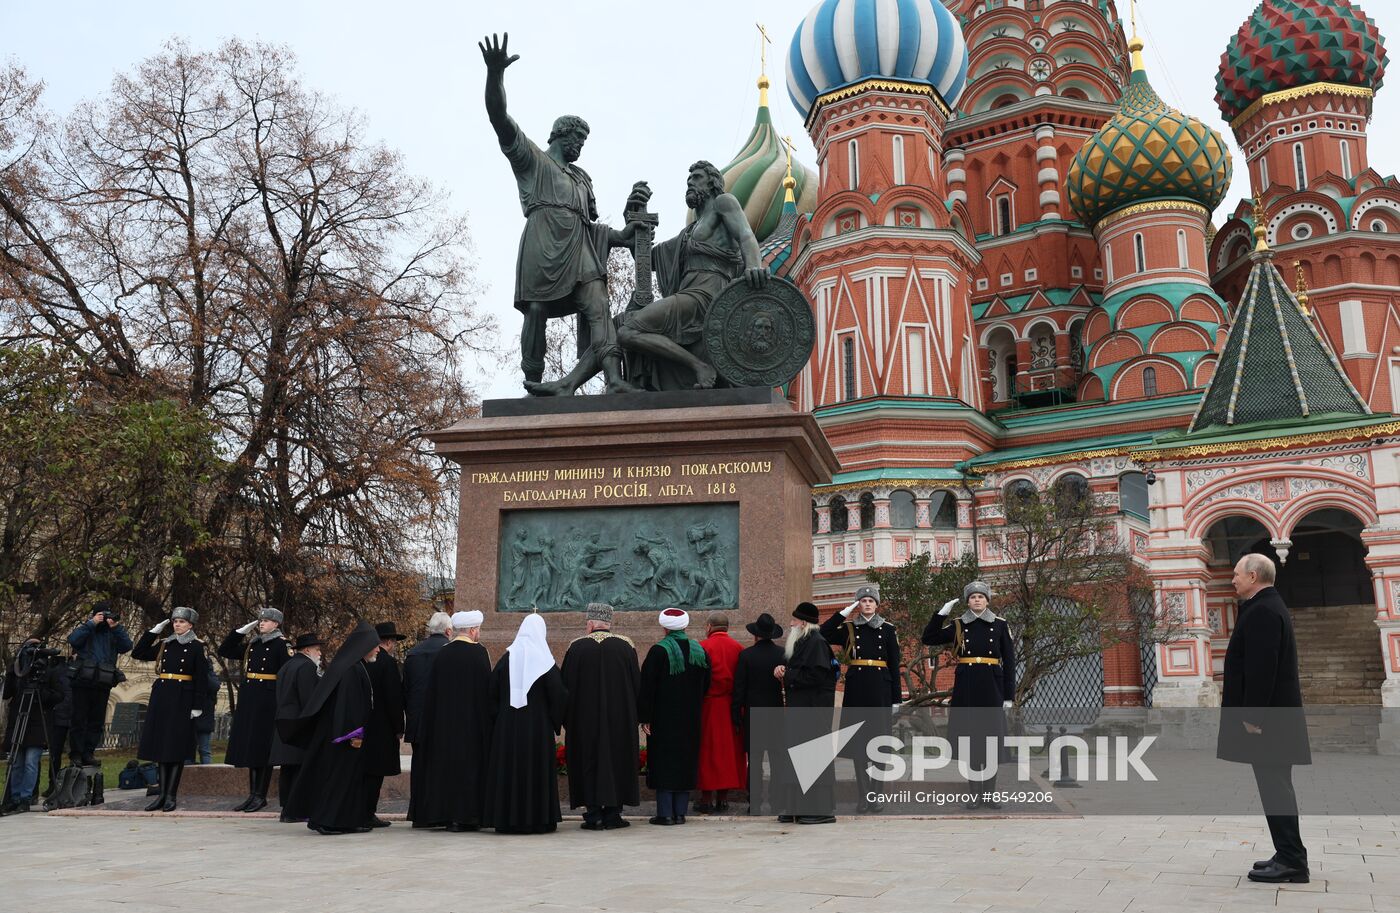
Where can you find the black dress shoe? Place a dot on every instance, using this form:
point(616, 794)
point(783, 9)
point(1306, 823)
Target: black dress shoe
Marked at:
point(243, 806)
point(257, 805)
point(1276, 872)
point(703, 808)
point(155, 806)
point(458, 827)
point(613, 824)
point(721, 808)
point(680, 819)
point(786, 819)
point(1264, 863)
point(593, 825)
point(288, 819)
point(816, 819)
point(663, 820)
point(169, 804)
point(993, 804)
point(324, 831)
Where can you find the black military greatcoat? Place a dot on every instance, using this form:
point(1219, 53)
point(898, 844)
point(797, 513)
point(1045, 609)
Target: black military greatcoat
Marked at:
point(182, 679)
point(255, 716)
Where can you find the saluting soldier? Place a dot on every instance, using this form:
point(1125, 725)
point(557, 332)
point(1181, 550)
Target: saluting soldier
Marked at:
point(250, 740)
point(869, 647)
point(984, 680)
point(182, 679)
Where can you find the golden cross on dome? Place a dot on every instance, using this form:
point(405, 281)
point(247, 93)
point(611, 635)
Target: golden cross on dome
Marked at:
point(763, 65)
point(1261, 230)
point(1135, 43)
point(788, 182)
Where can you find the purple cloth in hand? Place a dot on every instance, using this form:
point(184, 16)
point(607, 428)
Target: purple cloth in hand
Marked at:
point(353, 734)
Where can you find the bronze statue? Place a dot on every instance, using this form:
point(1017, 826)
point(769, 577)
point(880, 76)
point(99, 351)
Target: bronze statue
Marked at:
point(691, 269)
point(562, 265)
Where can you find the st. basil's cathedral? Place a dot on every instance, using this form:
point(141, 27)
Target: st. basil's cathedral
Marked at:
point(1020, 279)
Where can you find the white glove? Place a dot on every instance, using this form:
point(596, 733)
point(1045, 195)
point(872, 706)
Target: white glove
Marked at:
point(846, 612)
point(895, 707)
point(947, 607)
point(248, 627)
point(196, 714)
point(161, 626)
point(1006, 705)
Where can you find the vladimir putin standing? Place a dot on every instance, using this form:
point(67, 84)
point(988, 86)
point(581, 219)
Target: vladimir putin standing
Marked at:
point(1261, 719)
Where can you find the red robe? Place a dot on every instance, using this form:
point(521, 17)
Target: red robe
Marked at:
point(722, 763)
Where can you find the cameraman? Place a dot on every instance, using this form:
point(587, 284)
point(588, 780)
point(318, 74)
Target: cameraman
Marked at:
point(98, 642)
point(36, 670)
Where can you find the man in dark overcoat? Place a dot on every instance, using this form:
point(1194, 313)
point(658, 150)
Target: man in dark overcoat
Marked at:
point(1261, 717)
point(604, 678)
point(296, 681)
point(385, 726)
point(755, 686)
point(808, 674)
point(417, 666)
point(262, 652)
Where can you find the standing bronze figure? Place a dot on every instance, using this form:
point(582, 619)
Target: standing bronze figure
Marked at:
point(562, 265)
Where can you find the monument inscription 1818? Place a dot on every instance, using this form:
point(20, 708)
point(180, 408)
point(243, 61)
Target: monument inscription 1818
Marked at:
point(688, 482)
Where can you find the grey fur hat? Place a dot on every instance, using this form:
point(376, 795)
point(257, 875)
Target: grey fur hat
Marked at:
point(185, 613)
point(268, 613)
point(976, 586)
point(868, 590)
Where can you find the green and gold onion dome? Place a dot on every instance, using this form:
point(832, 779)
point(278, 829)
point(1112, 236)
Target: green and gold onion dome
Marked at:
point(1149, 151)
point(755, 176)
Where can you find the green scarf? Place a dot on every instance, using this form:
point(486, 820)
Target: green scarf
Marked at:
point(671, 643)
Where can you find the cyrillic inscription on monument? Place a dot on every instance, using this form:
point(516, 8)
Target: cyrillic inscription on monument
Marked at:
point(636, 558)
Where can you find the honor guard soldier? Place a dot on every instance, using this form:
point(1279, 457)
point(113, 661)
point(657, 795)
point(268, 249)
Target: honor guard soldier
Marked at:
point(869, 648)
point(182, 680)
point(984, 680)
point(263, 653)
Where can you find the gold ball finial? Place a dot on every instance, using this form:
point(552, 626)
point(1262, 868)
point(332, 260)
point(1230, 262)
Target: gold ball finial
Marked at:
point(763, 82)
point(1302, 288)
point(1261, 230)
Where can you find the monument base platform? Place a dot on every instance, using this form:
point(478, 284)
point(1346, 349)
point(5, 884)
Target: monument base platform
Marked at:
point(697, 499)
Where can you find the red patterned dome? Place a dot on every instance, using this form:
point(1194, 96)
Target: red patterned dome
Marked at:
point(1291, 43)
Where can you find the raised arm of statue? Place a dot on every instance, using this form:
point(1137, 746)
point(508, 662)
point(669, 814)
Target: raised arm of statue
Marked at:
point(732, 215)
point(494, 52)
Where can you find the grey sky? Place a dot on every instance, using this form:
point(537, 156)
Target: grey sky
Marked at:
point(661, 85)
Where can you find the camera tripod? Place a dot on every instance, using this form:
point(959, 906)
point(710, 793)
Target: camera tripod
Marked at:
point(28, 700)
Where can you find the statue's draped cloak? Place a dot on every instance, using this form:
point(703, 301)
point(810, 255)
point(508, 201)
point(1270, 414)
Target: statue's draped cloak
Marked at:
point(562, 245)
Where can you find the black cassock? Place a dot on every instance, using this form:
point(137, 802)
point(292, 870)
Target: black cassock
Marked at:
point(251, 735)
point(522, 794)
point(182, 685)
point(448, 777)
point(672, 705)
point(295, 683)
point(385, 726)
point(600, 729)
point(330, 788)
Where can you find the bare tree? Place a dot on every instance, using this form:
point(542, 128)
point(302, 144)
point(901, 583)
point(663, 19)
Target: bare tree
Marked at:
point(213, 232)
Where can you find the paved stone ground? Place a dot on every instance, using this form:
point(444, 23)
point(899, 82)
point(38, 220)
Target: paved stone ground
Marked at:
point(107, 863)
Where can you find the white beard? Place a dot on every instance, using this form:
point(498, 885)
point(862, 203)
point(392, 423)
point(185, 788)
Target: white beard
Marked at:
point(796, 636)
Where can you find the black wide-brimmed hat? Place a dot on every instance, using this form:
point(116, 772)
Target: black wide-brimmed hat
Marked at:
point(807, 612)
point(308, 640)
point(386, 631)
point(765, 628)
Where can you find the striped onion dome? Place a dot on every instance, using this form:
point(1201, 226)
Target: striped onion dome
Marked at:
point(755, 177)
point(844, 42)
